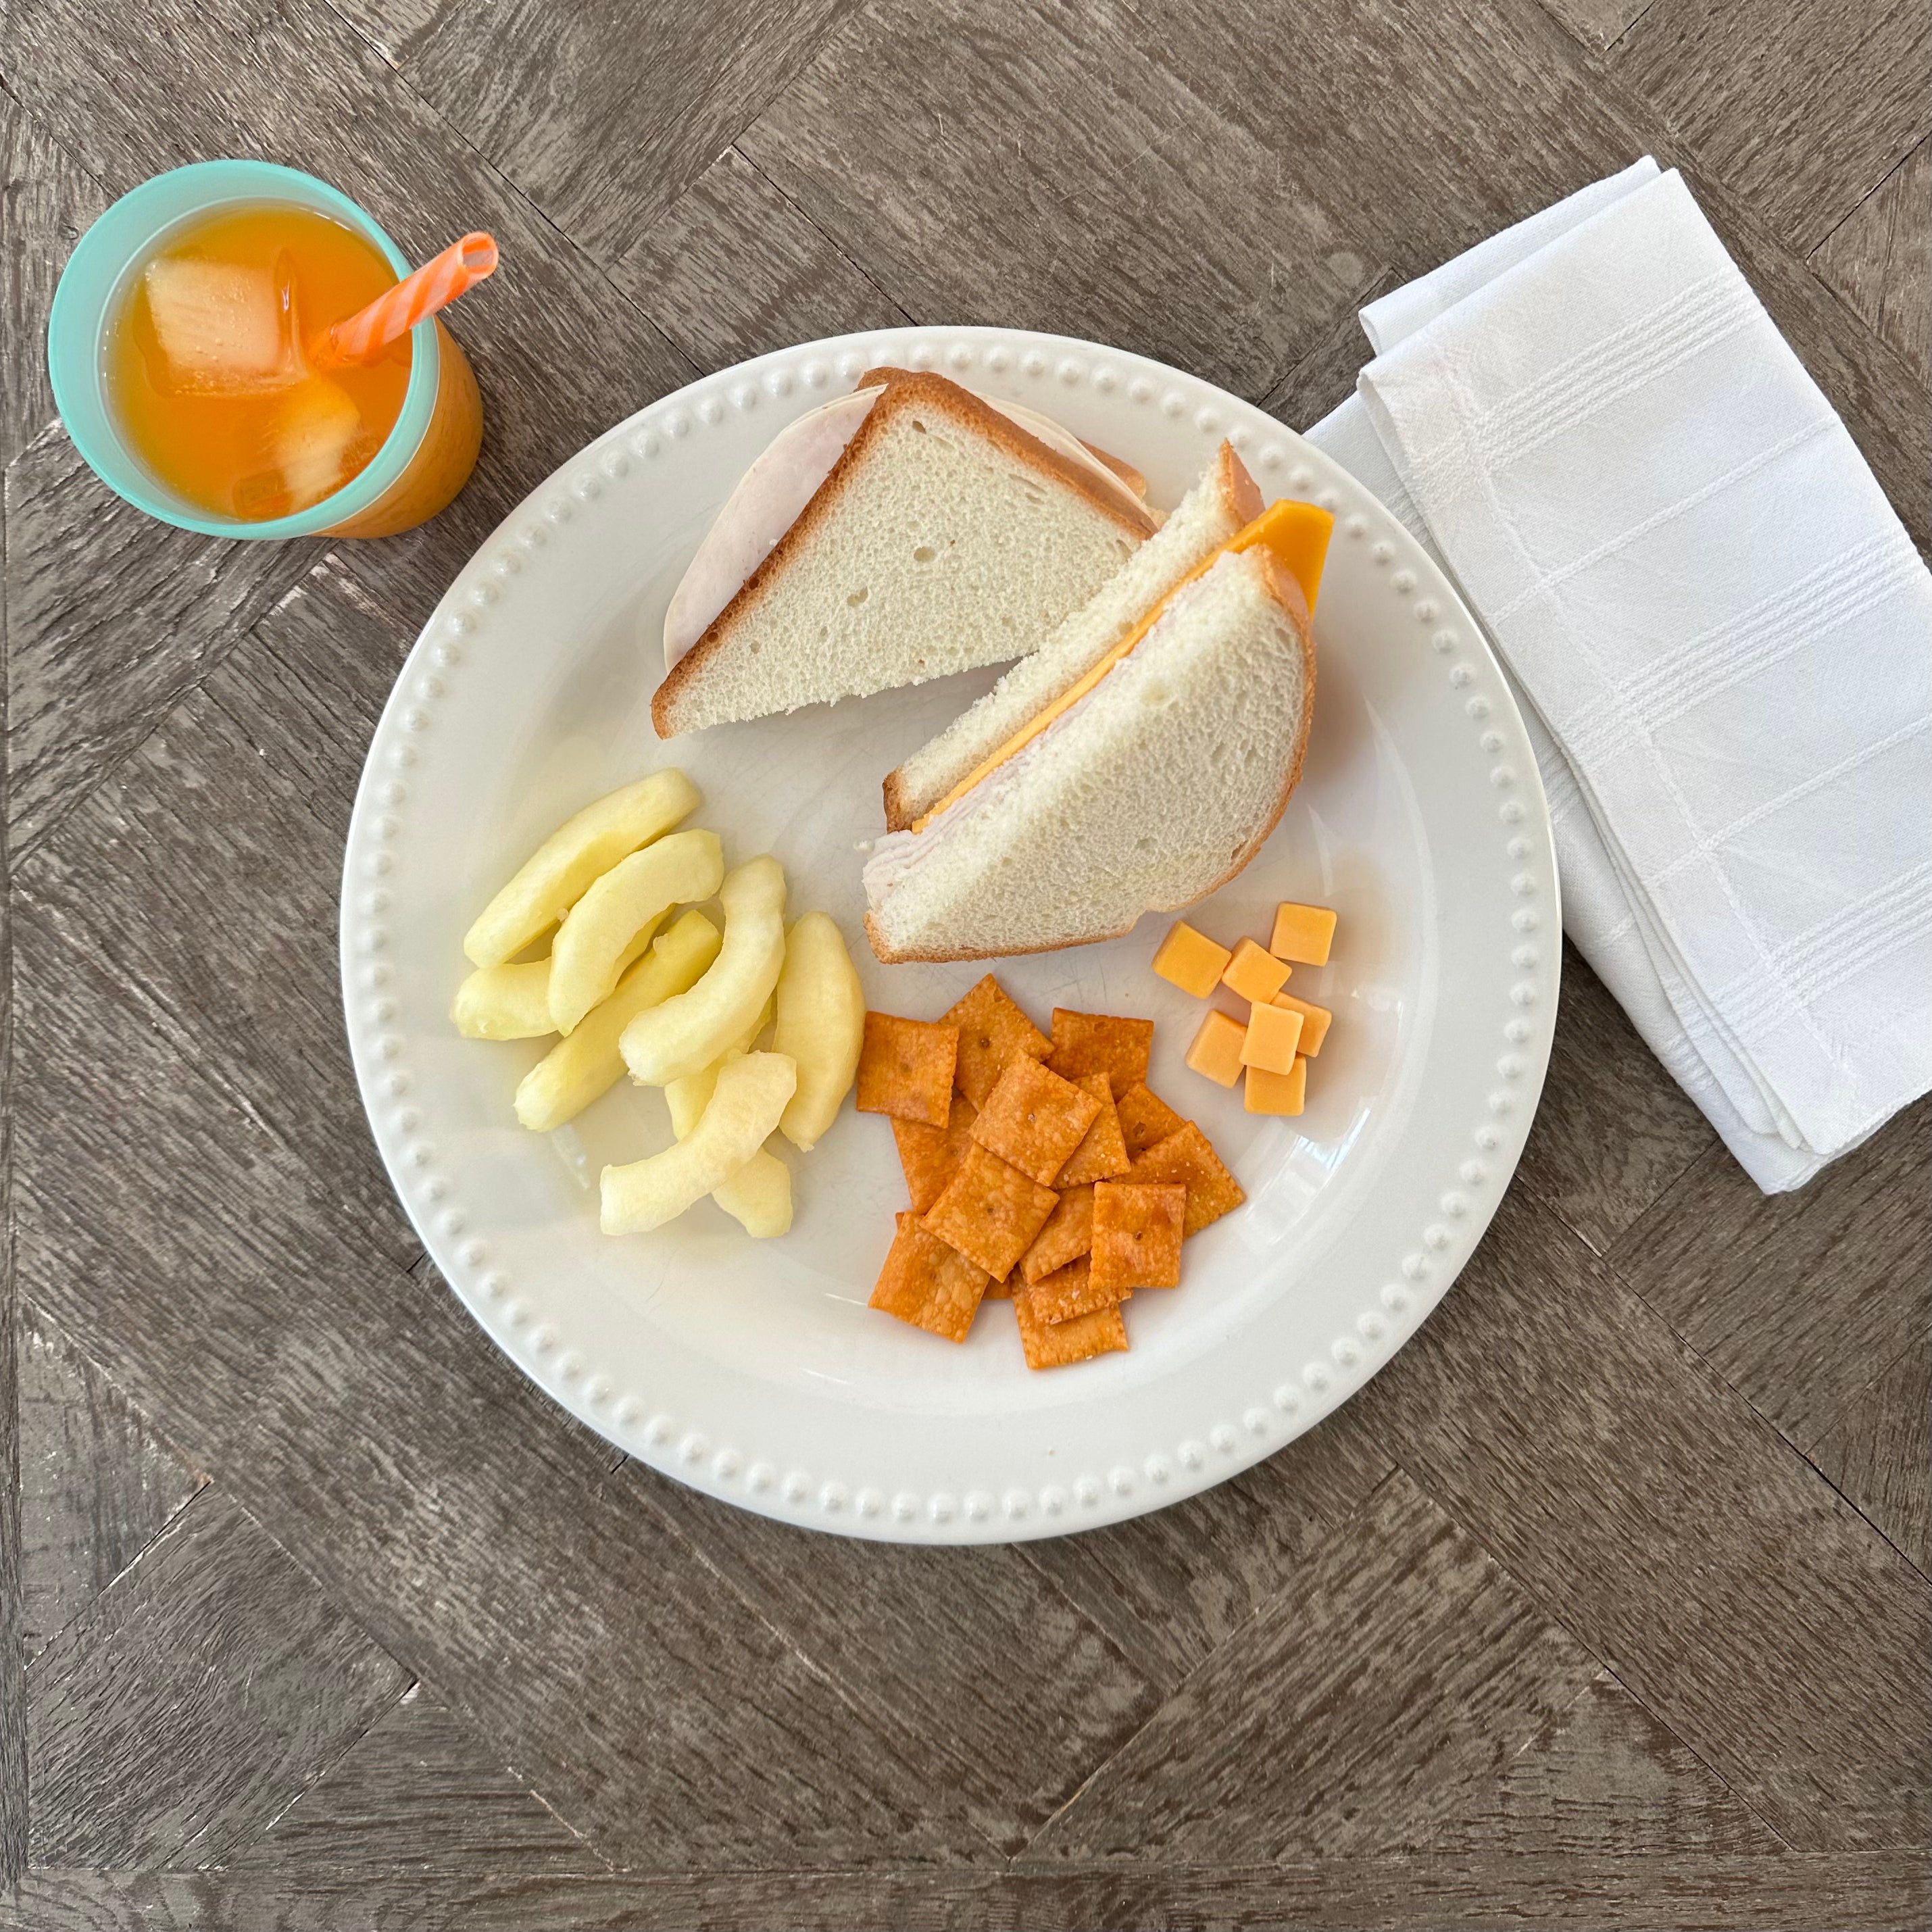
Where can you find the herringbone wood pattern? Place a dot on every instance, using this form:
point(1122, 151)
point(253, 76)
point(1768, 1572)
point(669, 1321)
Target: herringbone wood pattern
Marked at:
point(1606, 1605)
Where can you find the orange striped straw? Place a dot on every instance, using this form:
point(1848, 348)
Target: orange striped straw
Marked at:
point(363, 336)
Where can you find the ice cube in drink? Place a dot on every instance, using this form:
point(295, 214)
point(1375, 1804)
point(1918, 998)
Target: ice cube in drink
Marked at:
point(225, 328)
point(315, 432)
point(313, 440)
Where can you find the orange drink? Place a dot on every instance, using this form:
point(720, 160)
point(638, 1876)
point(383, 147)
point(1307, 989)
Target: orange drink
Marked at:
point(219, 348)
point(209, 369)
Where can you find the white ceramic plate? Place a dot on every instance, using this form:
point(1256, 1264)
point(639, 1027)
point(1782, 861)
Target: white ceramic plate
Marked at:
point(754, 1370)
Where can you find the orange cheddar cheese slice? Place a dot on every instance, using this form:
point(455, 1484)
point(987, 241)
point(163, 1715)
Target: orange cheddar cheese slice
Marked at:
point(1297, 536)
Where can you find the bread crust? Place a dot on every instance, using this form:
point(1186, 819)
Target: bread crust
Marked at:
point(1242, 492)
point(882, 372)
point(1132, 478)
point(1287, 593)
point(903, 389)
point(1243, 496)
point(899, 811)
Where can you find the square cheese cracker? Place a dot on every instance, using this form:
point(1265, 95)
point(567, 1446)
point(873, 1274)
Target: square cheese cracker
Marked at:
point(1145, 1119)
point(930, 1156)
point(1102, 1155)
point(1054, 1345)
point(928, 1284)
point(1100, 1043)
point(990, 1212)
point(1186, 1156)
point(1065, 1236)
point(993, 1032)
point(905, 1069)
point(1069, 1292)
point(1034, 1119)
point(1136, 1235)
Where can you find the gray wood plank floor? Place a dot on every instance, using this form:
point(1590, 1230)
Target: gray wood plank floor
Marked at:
point(1607, 1605)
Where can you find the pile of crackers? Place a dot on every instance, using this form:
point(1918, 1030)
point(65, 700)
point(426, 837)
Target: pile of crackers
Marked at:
point(1041, 1170)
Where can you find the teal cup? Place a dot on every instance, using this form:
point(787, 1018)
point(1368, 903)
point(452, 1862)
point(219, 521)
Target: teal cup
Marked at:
point(95, 282)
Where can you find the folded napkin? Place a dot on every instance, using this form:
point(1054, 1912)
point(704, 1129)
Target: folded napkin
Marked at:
point(1721, 636)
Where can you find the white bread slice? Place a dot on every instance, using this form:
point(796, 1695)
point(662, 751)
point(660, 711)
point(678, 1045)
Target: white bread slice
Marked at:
point(1156, 787)
point(1223, 502)
point(945, 537)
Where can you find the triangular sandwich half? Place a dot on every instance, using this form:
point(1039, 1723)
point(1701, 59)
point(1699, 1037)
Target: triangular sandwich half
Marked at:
point(1221, 502)
point(910, 529)
point(1150, 781)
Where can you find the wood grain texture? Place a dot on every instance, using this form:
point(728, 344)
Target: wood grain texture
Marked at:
point(47, 198)
point(392, 26)
point(1693, 1551)
point(1879, 1452)
point(1421, 1669)
point(1802, 108)
point(239, 800)
point(1349, 108)
point(1880, 259)
point(98, 1483)
point(89, 1243)
point(1605, 1776)
point(144, 1716)
point(111, 617)
point(1170, 1587)
point(605, 115)
point(1038, 166)
point(732, 268)
point(1324, 376)
point(12, 1617)
point(418, 1793)
point(1614, 1130)
point(989, 1684)
point(1797, 1299)
point(1597, 23)
point(1384, 1894)
point(13, 1583)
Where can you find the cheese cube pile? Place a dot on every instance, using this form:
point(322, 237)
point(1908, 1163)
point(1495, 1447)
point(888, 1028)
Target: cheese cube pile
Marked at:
point(1269, 1052)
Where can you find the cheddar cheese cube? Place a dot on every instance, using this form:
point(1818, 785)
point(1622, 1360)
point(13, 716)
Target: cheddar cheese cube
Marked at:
point(1302, 934)
point(1270, 1039)
point(1216, 1051)
point(1190, 960)
point(1267, 1093)
point(1314, 1022)
point(1255, 973)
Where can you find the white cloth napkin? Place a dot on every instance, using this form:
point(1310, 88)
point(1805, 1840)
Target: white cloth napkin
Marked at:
point(1721, 634)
